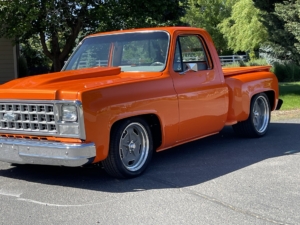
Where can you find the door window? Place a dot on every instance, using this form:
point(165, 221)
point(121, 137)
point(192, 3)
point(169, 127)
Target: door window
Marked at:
point(189, 49)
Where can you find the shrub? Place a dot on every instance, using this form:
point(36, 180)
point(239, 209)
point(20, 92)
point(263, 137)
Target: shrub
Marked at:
point(258, 62)
point(287, 72)
point(242, 64)
point(235, 64)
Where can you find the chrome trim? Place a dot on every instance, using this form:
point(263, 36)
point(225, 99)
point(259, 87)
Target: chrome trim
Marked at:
point(56, 112)
point(28, 117)
point(125, 32)
point(190, 67)
point(22, 151)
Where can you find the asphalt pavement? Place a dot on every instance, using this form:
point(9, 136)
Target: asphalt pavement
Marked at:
point(222, 179)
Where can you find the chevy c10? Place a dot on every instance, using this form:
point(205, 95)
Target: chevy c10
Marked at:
point(123, 95)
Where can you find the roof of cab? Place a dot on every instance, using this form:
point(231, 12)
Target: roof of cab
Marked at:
point(170, 30)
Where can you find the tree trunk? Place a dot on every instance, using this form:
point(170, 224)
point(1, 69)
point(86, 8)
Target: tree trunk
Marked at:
point(55, 50)
point(57, 65)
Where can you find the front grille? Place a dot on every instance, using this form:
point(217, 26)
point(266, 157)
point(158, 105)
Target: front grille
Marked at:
point(27, 117)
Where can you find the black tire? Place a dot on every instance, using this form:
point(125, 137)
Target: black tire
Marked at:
point(259, 119)
point(130, 150)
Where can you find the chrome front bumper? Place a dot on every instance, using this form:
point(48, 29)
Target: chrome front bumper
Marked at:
point(20, 151)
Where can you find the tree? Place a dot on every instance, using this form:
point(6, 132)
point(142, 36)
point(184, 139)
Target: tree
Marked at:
point(282, 19)
point(36, 61)
point(126, 14)
point(49, 21)
point(57, 24)
point(208, 15)
point(289, 12)
point(243, 29)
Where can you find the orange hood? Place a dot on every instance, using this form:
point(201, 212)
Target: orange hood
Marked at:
point(66, 84)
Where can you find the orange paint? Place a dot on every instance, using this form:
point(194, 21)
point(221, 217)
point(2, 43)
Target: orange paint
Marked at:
point(188, 106)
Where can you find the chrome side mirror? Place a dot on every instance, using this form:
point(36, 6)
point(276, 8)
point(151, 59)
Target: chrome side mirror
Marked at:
point(190, 67)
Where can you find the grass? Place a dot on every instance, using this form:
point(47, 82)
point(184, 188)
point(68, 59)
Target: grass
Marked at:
point(290, 94)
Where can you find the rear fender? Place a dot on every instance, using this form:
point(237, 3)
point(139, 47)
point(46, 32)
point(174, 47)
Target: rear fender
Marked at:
point(243, 87)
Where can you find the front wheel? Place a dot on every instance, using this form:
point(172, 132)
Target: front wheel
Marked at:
point(130, 150)
point(259, 119)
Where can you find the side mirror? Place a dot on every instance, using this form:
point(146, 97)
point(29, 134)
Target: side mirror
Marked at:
point(190, 67)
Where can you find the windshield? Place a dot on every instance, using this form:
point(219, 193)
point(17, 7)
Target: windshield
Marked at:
point(139, 51)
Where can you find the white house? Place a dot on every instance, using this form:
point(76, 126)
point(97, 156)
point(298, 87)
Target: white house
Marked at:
point(8, 61)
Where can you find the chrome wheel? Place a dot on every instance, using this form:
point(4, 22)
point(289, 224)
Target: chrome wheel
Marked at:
point(259, 119)
point(131, 148)
point(134, 146)
point(261, 114)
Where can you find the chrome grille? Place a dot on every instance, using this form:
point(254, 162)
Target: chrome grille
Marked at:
point(27, 117)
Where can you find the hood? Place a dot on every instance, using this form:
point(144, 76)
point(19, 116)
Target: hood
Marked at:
point(67, 84)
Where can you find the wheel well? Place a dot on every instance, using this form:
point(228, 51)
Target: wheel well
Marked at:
point(154, 125)
point(271, 97)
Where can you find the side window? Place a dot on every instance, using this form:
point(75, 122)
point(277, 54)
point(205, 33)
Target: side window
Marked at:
point(189, 49)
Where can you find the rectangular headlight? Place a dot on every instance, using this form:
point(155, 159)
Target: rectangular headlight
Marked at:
point(69, 113)
point(69, 119)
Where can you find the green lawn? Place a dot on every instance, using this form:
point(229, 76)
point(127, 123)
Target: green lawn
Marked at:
point(290, 94)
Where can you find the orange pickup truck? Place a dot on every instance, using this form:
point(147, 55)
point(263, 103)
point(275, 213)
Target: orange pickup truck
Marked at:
point(124, 94)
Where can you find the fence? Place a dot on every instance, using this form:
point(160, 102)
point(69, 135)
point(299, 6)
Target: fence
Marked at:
point(228, 59)
point(225, 59)
point(92, 63)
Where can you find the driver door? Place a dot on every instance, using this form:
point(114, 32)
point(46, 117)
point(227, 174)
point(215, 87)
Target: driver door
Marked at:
point(201, 92)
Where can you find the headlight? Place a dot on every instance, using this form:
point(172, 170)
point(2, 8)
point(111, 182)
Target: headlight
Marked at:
point(69, 119)
point(69, 113)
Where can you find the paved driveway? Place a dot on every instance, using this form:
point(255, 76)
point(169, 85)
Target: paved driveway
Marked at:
point(218, 180)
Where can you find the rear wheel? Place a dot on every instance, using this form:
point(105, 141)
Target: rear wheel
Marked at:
point(259, 119)
point(131, 148)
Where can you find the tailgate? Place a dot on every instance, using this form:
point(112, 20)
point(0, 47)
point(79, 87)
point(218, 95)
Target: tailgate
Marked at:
point(238, 70)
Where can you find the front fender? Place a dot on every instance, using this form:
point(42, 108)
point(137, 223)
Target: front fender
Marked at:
point(105, 106)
